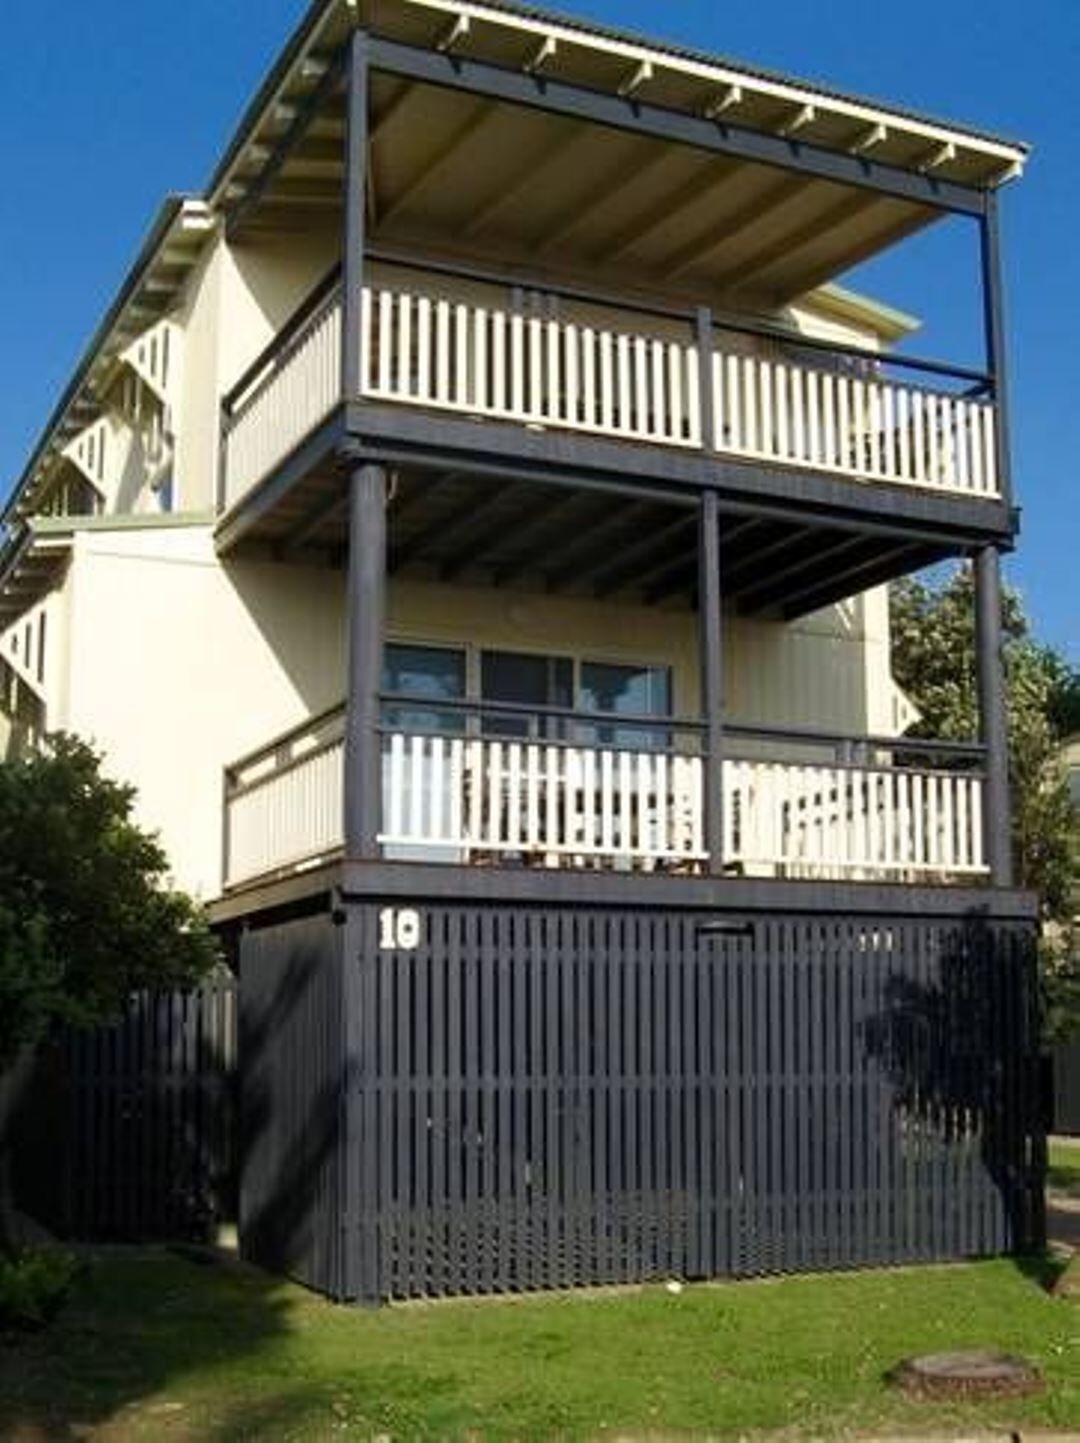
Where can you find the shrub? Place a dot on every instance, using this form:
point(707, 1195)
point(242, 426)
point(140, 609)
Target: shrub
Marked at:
point(33, 1285)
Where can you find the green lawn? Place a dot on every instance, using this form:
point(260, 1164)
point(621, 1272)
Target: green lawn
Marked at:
point(158, 1347)
point(1063, 1172)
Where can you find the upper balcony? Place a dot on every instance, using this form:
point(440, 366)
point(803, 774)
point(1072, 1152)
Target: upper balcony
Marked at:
point(567, 361)
point(558, 243)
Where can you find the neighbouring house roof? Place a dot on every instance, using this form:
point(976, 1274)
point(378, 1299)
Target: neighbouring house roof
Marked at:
point(168, 252)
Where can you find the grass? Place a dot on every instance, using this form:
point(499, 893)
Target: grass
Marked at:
point(155, 1346)
point(1063, 1172)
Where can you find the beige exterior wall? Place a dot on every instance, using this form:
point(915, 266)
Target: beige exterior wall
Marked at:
point(178, 665)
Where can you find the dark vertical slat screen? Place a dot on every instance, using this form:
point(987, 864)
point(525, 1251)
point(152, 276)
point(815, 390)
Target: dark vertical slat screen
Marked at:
point(126, 1131)
point(569, 1097)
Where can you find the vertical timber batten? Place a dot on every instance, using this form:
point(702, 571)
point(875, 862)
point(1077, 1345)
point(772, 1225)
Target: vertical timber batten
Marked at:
point(992, 716)
point(711, 671)
point(353, 227)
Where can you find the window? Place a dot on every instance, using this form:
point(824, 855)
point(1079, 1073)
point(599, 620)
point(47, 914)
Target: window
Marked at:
point(524, 679)
point(642, 691)
point(428, 673)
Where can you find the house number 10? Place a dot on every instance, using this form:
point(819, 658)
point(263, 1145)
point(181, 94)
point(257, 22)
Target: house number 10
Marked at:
point(399, 929)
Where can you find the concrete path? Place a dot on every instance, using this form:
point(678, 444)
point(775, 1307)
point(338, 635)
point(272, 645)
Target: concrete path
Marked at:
point(1063, 1219)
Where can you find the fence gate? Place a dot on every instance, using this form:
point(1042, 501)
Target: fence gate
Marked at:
point(127, 1132)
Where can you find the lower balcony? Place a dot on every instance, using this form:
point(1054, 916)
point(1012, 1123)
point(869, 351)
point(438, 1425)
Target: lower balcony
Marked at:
point(556, 789)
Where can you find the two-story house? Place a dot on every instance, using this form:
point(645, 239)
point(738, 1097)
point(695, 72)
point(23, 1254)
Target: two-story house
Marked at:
point(469, 529)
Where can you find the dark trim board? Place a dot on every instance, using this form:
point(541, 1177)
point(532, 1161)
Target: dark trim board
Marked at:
point(501, 1094)
point(402, 435)
point(341, 881)
point(244, 516)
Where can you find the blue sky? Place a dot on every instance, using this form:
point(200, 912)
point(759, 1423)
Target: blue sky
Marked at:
point(107, 107)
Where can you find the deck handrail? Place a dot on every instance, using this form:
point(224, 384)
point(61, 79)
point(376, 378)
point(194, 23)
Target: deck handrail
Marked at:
point(965, 751)
point(721, 319)
point(794, 405)
point(281, 345)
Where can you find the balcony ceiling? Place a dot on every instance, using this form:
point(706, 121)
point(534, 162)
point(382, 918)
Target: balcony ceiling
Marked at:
point(513, 535)
point(545, 195)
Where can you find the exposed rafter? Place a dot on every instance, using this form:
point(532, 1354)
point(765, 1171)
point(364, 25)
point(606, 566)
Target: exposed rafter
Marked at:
point(614, 573)
point(502, 196)
point(641, 162)
point(445, 528)
point(720, 234)
point(479, 115)
point(839, 214)
point(296, 118)
point(700, 186)
point(820, 562)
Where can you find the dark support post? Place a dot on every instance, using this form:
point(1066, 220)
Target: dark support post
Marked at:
point(994, 331)
point(711, 673)
point(366, 615)
point(997, 826)
point(352, 237)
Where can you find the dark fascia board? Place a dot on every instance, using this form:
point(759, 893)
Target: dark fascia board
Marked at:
point(167, 213)
point(438, 882)
point(343, 882)
point(398, 435)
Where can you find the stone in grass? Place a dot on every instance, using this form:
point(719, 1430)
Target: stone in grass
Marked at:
point(974, 1373)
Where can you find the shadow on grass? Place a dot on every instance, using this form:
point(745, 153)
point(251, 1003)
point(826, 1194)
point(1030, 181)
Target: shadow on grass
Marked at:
point(140, 1322)
point(1043, 1269)
point(146, 1319)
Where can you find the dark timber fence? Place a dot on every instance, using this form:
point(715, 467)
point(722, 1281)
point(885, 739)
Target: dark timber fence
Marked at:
point(1065, 1071)
point(128, 1132)
point(546, 1096)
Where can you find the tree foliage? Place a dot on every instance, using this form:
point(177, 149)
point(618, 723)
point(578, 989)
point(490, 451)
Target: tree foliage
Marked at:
point(933, 657)
point(86, 914)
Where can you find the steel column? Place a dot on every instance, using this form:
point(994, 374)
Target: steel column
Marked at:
point(711, 675)
point(990, 675)
point(352, 235)
point(994, 331)
point(366, 617)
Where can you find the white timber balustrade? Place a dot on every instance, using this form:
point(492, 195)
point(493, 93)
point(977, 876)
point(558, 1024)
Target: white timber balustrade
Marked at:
point(846, 415)
point(471, 800)
point(864, 427)
point(477, 798)
point(542, 372)
point(852, 821)
point(283, 805)
point(295, 388)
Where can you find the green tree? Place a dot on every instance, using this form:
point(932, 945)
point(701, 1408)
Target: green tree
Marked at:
point(933, 657)
point(86, 913)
